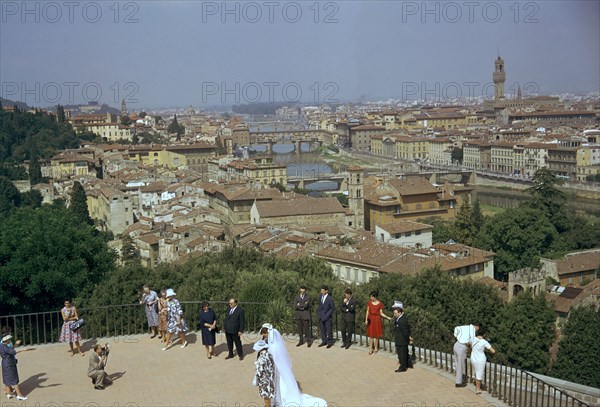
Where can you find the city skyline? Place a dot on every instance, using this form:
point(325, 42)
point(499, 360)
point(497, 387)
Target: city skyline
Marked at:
point(212, 53)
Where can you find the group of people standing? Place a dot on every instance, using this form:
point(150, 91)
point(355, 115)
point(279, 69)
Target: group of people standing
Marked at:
point(471, 337)
point(373, 321)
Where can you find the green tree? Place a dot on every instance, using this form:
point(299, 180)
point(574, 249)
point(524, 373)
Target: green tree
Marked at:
point(548, 197)
point(478, 218)
point(457, 155)
point(78, 204)
point(518, 237)
point(60, 114)
point(35, 171)
point(130, 254)
point(523, 333)
point(579, 349)
point(464, 229)
point(47, 255)
point(10, 196)
point(32, 198)
point(176, 128)
point(125, 120)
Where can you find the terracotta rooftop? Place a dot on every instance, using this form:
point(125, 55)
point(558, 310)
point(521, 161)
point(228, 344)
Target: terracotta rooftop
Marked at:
point(299, 206)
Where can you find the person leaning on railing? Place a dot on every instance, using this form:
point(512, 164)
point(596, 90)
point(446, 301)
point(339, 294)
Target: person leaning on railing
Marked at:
point(478, 358)
point(465, 335)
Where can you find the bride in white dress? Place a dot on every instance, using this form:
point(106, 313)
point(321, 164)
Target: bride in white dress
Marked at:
point(287, 393)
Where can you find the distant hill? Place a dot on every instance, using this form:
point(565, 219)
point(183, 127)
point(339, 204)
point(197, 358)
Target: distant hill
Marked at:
point(92, 108)
point(8, 102)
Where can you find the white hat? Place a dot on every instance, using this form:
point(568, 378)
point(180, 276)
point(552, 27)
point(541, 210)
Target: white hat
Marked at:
point(260, 345)
point(6, 337)
point(267, 325)
point(171, 293)
point(398, 304)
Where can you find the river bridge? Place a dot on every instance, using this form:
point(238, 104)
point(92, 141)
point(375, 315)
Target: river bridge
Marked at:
point(296, 137)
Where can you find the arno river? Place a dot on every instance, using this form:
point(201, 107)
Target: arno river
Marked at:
point(311, 164)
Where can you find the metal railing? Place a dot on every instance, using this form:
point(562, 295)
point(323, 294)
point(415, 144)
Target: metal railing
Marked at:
point(513, 386)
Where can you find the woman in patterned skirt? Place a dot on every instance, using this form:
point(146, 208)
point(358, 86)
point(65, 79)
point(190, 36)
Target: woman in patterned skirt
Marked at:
point(10, 374)
point(163, 316)
point(150, 299)
point(265, 372)
point(176, 324)
point(69, 314)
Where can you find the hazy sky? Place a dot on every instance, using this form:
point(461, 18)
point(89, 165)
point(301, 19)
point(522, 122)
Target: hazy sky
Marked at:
point(176, 53)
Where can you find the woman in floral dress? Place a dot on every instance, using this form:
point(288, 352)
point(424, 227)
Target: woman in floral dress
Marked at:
point(150, 299)
point(163, 316)
point(265, 372)
point(176, 324)
point(69, 314)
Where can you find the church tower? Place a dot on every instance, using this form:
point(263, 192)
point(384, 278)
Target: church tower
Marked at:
point(499, 79)
point(356, 199)
point(123, 108)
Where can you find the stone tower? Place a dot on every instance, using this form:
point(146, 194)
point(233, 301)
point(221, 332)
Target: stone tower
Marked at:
point(526, 279)
point(356, 199)
point(123, 108)
point(499, 79)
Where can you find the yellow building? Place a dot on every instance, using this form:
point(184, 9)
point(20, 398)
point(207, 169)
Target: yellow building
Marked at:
point(411, 148)
point(412, 198)
point(447, 120)
point(262, 170)
point(194, 156)
point(110, 208)
point(68, 165)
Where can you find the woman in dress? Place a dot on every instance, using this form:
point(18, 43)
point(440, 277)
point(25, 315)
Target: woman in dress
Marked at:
point(208, 323)
point(176, 324)
point(478, 358)
point(163, 316)
point(265, 372)
point(10, 374)
point(373, 321)
point(287, 391)
point(150, 301)
point(69, 314)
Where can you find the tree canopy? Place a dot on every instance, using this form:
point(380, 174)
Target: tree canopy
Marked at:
point(47, 255)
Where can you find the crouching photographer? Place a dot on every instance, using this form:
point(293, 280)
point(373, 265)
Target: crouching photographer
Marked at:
point(96, 368)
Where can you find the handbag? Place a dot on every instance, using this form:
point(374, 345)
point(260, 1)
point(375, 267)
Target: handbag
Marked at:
point(75, 325)
point(217, 329)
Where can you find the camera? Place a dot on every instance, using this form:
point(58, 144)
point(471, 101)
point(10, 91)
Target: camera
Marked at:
point(105, 350)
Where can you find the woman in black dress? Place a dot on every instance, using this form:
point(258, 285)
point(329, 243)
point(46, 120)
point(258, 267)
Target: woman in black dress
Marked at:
point(208, 324)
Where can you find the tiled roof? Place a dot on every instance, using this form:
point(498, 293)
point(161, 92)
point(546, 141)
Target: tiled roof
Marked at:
point(403, 226)
point(298, 207)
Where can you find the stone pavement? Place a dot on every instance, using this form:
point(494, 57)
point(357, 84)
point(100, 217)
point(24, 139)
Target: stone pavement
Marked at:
point(146, 376)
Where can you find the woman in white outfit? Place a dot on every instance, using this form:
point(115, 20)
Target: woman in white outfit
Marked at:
point(478, 358)
point(287, 392)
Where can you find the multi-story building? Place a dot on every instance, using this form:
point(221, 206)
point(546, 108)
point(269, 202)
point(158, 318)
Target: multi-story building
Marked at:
point(588, 161)
point(360, 136)
point(438, 119)
point(383, 145)
point(411, 148)
point(562, 161)
point(66, 165)
point(438, 150)
point(111, 208)
point(262, 170)
point(502, 157)
point(535, 158)
point(410, 198)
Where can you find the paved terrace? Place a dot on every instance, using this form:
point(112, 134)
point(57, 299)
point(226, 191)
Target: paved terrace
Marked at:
point(146, 376)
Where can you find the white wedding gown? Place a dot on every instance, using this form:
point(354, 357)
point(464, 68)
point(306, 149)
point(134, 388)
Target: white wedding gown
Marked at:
point(287, 393)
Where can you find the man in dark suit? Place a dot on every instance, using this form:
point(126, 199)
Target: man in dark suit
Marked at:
point(347, 318)
point(325, 314)
point(302, 316)
point(233, 327)
point(403, 338)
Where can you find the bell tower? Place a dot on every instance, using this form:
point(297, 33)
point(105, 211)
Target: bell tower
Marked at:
point(356, 199)
point(499, 79)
